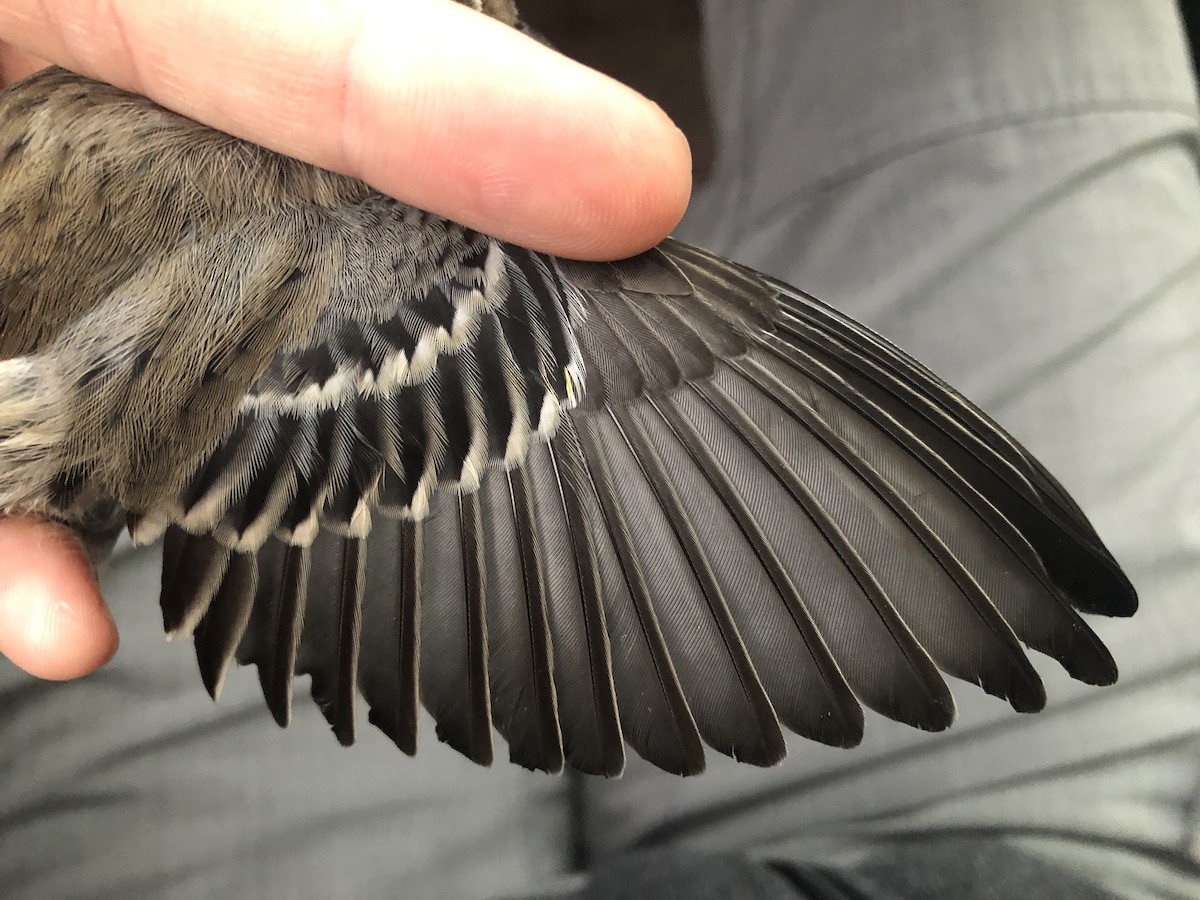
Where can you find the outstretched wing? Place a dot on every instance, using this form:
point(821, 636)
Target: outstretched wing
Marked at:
point(665, 502)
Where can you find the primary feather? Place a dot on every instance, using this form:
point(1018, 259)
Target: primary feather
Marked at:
point(663, 502)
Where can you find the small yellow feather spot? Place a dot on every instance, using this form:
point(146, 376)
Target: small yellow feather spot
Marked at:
point(570, 387)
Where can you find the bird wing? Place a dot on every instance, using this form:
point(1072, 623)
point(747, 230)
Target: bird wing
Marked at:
point(665, 502)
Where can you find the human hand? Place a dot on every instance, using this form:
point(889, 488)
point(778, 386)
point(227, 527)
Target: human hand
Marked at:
point(485, 127)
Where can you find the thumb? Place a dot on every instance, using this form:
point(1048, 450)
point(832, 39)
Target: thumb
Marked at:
point(53, 622)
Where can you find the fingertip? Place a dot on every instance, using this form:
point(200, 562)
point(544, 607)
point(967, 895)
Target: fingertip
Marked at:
point(614, 182)
point(649, 187)
point(54, 622)
point(508, 136)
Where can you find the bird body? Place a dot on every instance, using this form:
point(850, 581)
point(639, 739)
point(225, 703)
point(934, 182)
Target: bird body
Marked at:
point(663, 502)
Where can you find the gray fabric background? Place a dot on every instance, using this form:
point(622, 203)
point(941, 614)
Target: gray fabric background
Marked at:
point(1007, 189)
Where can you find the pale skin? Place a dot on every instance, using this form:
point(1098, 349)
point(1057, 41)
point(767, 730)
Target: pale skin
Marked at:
point(488, 128)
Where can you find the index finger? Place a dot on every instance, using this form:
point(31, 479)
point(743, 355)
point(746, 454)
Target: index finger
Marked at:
point(426, 100)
